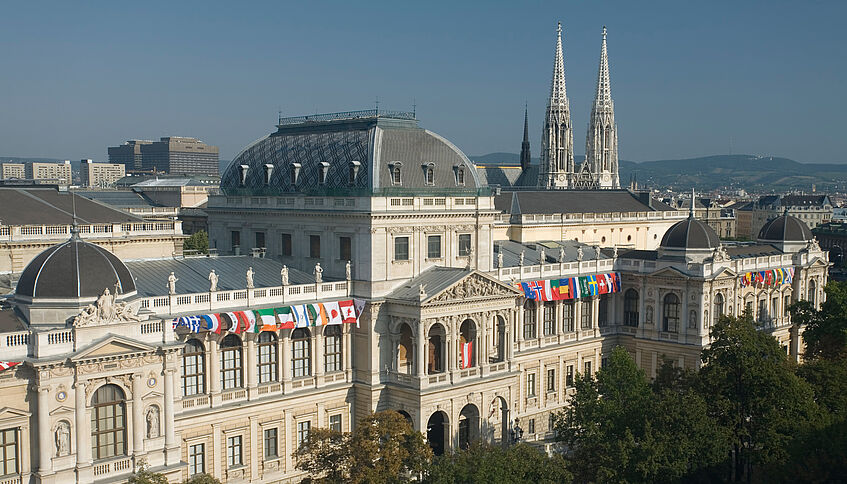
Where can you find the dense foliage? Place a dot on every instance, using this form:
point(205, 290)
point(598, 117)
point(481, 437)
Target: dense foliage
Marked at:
point(493, 463)
point(196, 243)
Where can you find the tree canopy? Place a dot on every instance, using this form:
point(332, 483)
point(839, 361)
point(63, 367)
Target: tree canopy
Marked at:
point(197, 243)
point(483, 462)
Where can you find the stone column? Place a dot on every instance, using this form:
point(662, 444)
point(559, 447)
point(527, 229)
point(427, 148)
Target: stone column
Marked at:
point(289, 445)
point(347, 338)
point(482, 341)
point(319, 355)
point(83, 435)
point(218, 452)
point(214, 368)
point(420, 351)
point(171, 446)
point(577, 317)
point(139, 424)
point(45, 433)
point(539, 322)
point(256, 456)
point(251, 364)
point(286, 359)
point(595, 314)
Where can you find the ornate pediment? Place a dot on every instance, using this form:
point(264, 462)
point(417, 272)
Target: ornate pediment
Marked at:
point(474, 285)
point(107, 310)
point(113, 345)
point(62, 410)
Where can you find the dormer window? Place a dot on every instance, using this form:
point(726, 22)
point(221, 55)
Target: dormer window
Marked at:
point(294, 173)
point(394, 168)
point(242, 170)
point(269, 169)
point(324, 169)
point(460, 175)
point(353, 171)
point(429, 173)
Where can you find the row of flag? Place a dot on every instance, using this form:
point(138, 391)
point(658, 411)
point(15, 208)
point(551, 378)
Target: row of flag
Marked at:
point(273, 319)
point(773, 277)
point(5, 365)
point(572, 287)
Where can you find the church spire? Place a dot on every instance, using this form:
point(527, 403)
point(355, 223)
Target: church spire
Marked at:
point(601, 143)
point(525, 154)
point(557, 139)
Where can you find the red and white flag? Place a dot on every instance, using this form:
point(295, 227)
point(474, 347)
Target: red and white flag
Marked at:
point(5, 365)
point(348, 311)
point(213, 322)
point(467, 351)
point(333, 311)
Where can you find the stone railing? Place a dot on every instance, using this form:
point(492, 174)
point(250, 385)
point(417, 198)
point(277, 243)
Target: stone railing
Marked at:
point(49, 233)
point(549, 271)
point(118, 466)
point(589, 218)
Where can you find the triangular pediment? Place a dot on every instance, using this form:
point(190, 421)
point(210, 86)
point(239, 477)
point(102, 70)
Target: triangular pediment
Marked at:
point(670, 272)
point(153, 395)
point(473, 286)
point(64, 409)
point(724, 273)
point(11, 413)
point(113, 345)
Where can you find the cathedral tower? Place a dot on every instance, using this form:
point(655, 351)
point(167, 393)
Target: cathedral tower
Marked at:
point(525, 154)
point(557, 167)
point(600, 168)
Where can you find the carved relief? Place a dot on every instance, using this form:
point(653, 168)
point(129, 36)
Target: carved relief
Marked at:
point(152, 419)
point(472, 287)
point(105, 311)
point(62, 437)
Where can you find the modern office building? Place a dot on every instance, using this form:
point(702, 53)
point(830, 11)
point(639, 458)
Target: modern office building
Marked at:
point(55, 173)
point(180, 156)
point(128, 154)
point(100, 174)
point(10, 171)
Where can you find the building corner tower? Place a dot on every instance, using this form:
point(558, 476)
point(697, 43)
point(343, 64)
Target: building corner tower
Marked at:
point(557, 165)
point(601, 144)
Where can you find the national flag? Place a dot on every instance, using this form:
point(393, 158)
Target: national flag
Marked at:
point(247, 321)
point(334, 312)
point(780, 276)
point(286, 317)
point(467, 351)
point(592, 285)
point(602, 284)
point(234, 323)
point(760, 277)
point(556, 289)
point(547, 291)
point(5, 365)
point(190, 322)
point(613, 279)
point(301, 316)
point(266, 319)
point(789, 275)
point(360, 308)
point(583, 286)
point(318, 313)
point(213, 322)
point(533, 290)
point(573, 287)
point(769, 278)
point(348, 311)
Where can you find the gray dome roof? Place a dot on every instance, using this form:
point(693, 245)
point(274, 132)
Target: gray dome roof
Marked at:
point(690, 234)
point(74, 269)
point(785, 228)
point(360, 143)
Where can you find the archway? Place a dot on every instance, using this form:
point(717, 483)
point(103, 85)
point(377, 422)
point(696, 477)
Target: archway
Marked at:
point(405, 350)
point(499, 336)
point(467, 344)
point(435, 346)
point(468, 425)
point(436, 432)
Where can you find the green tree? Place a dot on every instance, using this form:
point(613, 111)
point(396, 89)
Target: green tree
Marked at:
point(197, 243)
point(144, 476)
point(483, 462)
point(825, 330)
point(754, 396)
point(201, 479)
point(383, 448)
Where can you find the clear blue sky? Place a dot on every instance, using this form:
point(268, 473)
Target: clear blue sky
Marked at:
point(76, 77)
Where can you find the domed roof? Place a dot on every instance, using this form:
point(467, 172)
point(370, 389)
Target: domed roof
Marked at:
point(690, 234)
point(785, 228)
point(74, 269)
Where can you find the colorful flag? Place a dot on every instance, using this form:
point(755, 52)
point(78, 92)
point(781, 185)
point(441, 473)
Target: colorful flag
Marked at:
point(318, 313)
point(780, 276)
point(592, 285)
point(603, 287)
point(213, 322)
point(573, 286)
point(286, 317)
point(583, 286)
point(467, 351)
point(360, 308)
point(789, 275)
point(301, 315)
point(190, 322)
point(533, 290)
point(333, 312)
point(769, 278)
point(247, 320)
point(5, 365)
point(348, 311)
point(234, 323)
point(556, 289)
point(614, 281)
point(266, 319)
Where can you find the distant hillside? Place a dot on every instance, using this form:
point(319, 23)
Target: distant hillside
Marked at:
point(711, 172)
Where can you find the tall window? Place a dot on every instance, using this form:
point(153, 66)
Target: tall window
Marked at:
point(460, 176)
point(271, 446)
point(567, 316)
point(260, 240)
point(233, 451)
point(549, 319)
point(285, 245)
point(670, 313)
point(551, 380)
point(603, 311)
point(332, 348)
point(433, 247)
point(315, 246)
point(235, 238)
point(587, 368)
point(585, 316)
point(303, 432)
point(812, 291)
point(108, 422)
point(401, 248)
point(395, 174)
point(9, 452)
point(762, 313)
point(193, 368)
point(345, 248)
point(196, 459)
point(464, 245)
point(529, 320)
point(630, 308)
point(231, 362)
point(267, 353)
point(569, 376)
point(301, 352)
point(718, 312)
point(335, 422)
point(530, 385)
point(786, 302)
point(430, 175)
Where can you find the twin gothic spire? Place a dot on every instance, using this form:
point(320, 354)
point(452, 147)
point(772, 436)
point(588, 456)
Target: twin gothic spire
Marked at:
point(600, 168)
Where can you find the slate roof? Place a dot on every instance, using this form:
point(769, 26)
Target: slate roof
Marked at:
point(436, 280)
point(785, 228)
point(532, 251)
point(49, 206)
point(638, 254)
point(573, 201)
point(10, 322)
point(751, 250)
point(499, 175)
point(118, 198)
point(151, 276)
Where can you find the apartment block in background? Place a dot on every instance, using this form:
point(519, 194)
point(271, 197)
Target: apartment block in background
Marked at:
point(93, 174)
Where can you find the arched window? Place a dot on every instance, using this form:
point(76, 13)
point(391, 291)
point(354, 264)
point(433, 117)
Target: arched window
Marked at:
point(267, 354)
point(630, 308)
point(396, 178)
point(812, 291)
point(718, 304)
point(108, 422)
point(405, 350)
point(193, 368)
point(231, 362)
point(435, 353)
point(332, 349)
point(430, 175)
point(460, 176)
point(670, 313)
point(301, 354)
point(529, 310)
point(467, 344)
point(549, 319)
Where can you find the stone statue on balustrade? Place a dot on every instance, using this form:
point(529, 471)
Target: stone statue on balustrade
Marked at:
point(250, 277)
point(283, 274)
point(213, 281)
point(172, 284)
point(319, 273)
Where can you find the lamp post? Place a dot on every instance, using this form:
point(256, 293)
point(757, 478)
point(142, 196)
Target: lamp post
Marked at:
point(516, 432)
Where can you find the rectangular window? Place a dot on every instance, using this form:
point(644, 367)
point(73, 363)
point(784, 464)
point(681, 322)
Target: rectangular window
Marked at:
point(569, 376)
point(549, 326)
point(401, 248)
point(345, 248)
point(235, 237)
point(749, 307)
point(303, 432)
point(285, 245)
point(785, 304)
point(315, 246)
point(197, 459)
point(335, 423)
point(531, 427)
point(585, 317)
point(271, 447)
point(551, 380)
point(9, 452)
point(530, 385)
point(233, 451)
point(433, 247)
point(587, 368)
point(567, 317)
point(604, 361)
point(301, 357)
point(603, 312)
point(763, 311)
point(332, 354)
point(464, 245)
point(260, 240)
